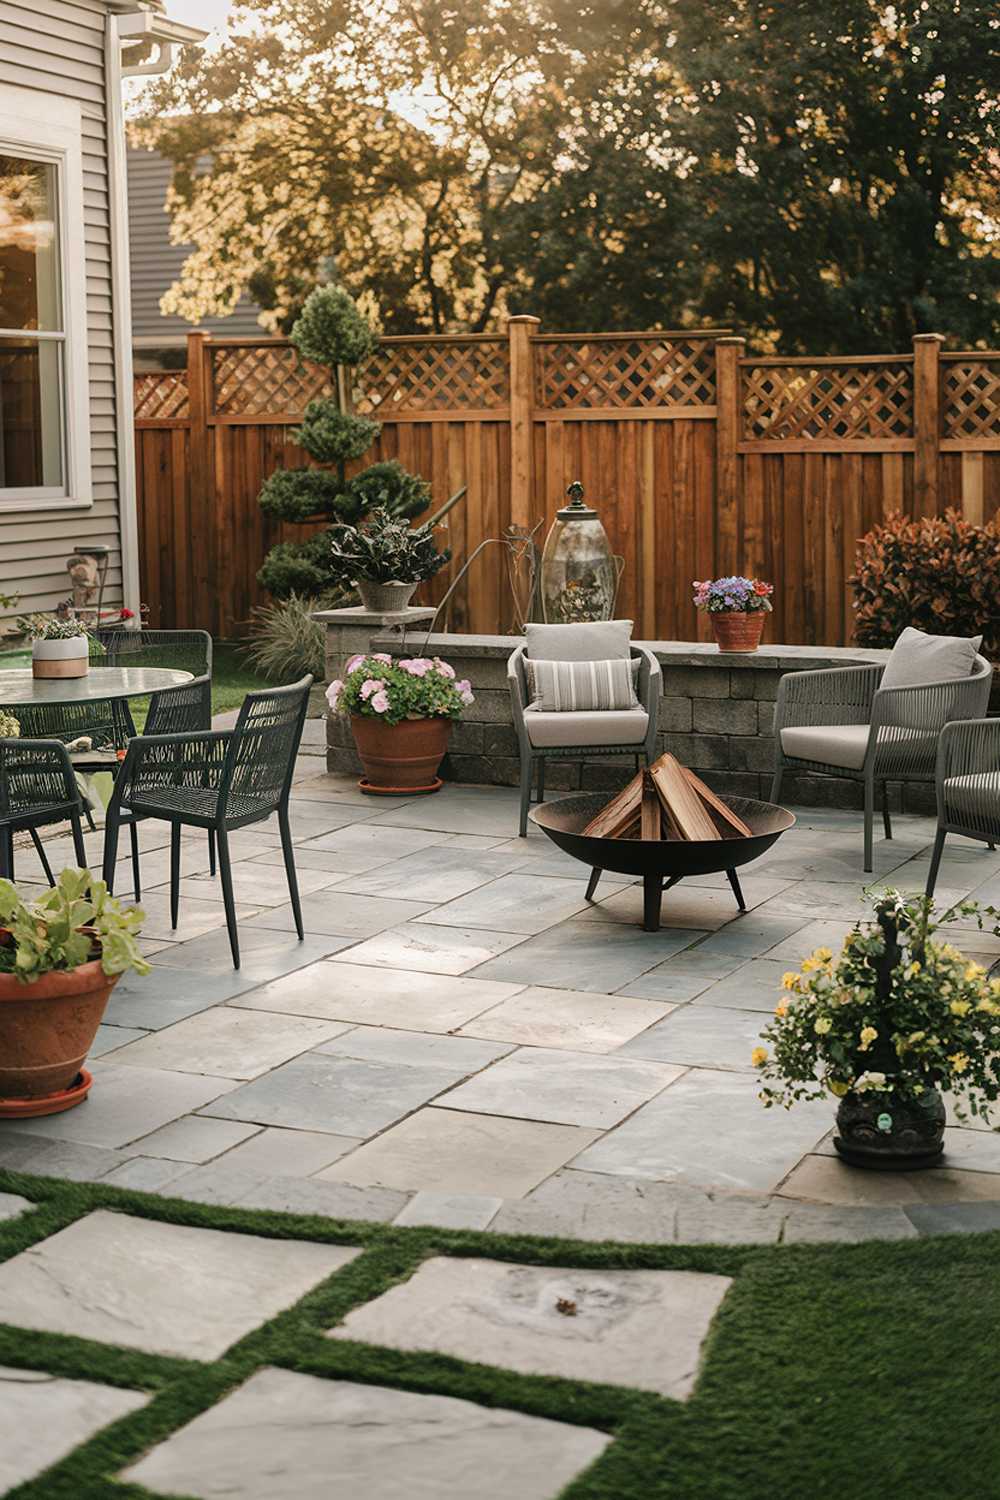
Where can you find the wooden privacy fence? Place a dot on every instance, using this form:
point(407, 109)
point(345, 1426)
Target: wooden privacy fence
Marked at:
point(700, 461)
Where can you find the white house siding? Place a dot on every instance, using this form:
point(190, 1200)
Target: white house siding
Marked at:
point(57, 47)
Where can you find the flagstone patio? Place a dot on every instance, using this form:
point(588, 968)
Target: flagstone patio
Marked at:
point(463, 1040)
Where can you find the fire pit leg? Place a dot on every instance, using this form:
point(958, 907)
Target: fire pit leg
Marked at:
point(734, 881)
point(652, 890)
point(595, 876)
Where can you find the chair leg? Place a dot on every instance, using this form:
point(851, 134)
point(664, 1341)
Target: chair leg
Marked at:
point(211, 851)
point(869, 819)
point(175, 872)
point(526, 770)
point(112, 824)
point(227, 895)
point(40, 851)
point(776, 780)
point(133, 830)
point(886, 820)
point(541, 778)
point(932, 873)
point(79, 847)
point(6, 854)
point(89, 817)
point(288, 850)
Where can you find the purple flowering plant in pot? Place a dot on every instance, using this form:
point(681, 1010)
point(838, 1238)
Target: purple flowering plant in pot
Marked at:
point(736, 607)
point(401, 712)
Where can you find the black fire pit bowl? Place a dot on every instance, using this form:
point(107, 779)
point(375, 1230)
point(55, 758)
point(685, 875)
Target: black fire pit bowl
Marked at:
point(660, 862)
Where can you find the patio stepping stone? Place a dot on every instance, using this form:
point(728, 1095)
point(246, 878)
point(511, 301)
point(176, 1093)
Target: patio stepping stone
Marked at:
point(953, 1218)
point(342, 915)
point(432, 950)
point(12, 1205)
point(263, 954)
point(255, 885)
point(754, 986)
point(168, 994)
point(449, 1210)
point(23, 1152)
point(370, 844)
point(285, 1436)
point(686, 905)
point(194, 919)
point(466, 809)
point(680, 979)
point(125, 1104)
point(194, 1139)
point(581, 1021)
point(709, 1129)
point(600, 956)
point(286, 1153)
point(229, 1043)
point(564, 1088)
point(110, 1038)
point(390, 997)
point(826, 1179)
point(700, 1035)
point(642, 1329)
point(162, 1288)
point(513, 903)
point(439, 873)
point(44, 1417)
point(451, 1151)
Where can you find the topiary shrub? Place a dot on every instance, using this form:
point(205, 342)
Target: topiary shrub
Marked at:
point(331, 331)
point(940, 574)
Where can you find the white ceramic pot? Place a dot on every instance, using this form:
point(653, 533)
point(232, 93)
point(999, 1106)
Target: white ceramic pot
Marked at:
point(68, 658)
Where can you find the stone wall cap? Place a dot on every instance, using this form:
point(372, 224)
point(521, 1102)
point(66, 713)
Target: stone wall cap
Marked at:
point(355, 615)
point(776, 657)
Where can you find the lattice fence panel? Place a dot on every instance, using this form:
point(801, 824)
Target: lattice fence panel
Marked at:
point(264, 381)
point(434, 377)
point(161, 396)
point(843, 401)
point(971, 398)
point(624, 373)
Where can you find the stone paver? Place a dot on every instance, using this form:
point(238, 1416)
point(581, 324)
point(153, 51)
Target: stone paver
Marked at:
point(599, 957)
point(114, 1278)
point(169, 994)
point(12, 1205)
point(194, 1139)
point(701, 1036)
point(287, 1153)
point(575, 1019)
point(449, 1210)
point(515, 903)
point(264, 955)
point(825, 1179)
point(565, 1088)
point(44, 1417)
point(125, 1104)
point(229, 1043)
point(686, 905)
point(642, 1329)
point(110, 1038)
point(284, 1436)
point(433, 950)
point(343, 915)
point(439, 873)
point(393, 997)
point(755, 985)
point(447, 1150)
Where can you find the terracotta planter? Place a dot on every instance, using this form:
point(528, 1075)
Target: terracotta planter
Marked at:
point(737, 630)
point(402, 757)
point(66, 658)
point(47, 1027)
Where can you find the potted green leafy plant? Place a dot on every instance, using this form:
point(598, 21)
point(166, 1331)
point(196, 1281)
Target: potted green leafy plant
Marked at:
point(387, 558)
point(401, 715)
point(60, 958)
point(884, 1027)
point(59, 647)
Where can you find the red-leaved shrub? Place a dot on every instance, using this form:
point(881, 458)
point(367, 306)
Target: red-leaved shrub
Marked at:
point(940, 574)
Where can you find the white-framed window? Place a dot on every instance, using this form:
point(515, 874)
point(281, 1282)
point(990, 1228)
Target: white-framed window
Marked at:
point(44, 398)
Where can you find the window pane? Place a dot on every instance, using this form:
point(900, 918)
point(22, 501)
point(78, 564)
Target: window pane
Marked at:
point(29, 245)
point(30, 414)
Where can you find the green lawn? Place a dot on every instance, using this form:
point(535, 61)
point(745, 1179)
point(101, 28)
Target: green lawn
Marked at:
point(862, 1372)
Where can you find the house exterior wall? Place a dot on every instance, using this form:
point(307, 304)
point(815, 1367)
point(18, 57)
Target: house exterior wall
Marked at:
point(56, 47)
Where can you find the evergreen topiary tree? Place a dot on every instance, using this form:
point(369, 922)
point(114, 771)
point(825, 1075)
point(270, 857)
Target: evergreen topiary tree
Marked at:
point(331, 331)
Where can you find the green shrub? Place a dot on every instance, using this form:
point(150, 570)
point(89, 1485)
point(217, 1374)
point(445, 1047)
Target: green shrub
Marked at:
point(299, 494)
point(940, 574)
point(331, 331)
point(297, 567)
point(332, 436)
point(385, 486)
point(287, 642)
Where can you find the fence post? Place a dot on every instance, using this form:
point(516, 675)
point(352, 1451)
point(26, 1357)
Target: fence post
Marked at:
point(728, 426)
point(926, 422)
point(207, 591)
point(522, 406)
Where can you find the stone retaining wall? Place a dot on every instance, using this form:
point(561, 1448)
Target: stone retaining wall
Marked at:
point(716, 715)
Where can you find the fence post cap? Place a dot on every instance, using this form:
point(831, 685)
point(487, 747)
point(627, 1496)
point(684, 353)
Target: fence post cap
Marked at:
point(928, 338)
point(522, 318)
point(730, 338)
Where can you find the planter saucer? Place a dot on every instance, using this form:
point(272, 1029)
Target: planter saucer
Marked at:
point(48, 1104)
point(364, 785)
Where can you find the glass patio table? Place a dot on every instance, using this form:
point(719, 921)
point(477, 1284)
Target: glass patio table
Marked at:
point(101, 684)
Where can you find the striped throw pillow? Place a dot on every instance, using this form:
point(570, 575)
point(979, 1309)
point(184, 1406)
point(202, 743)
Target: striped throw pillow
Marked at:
point(579, 686)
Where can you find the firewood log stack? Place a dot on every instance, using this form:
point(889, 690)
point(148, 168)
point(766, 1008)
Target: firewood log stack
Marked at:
point(667, 801)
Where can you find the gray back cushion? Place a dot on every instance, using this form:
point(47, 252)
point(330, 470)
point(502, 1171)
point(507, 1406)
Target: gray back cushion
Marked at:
point(596, 640)
point(918, 658)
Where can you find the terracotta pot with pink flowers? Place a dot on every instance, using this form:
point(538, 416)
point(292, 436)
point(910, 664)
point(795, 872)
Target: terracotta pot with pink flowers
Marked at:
point(736, 608)
point(401, 711)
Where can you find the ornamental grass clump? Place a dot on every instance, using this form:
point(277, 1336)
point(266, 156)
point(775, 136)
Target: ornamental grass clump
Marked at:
point(418, 687)
point(733, 595)
point(898, 1013)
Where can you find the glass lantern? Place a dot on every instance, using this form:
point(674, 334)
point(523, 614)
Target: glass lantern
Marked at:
point(579, 571)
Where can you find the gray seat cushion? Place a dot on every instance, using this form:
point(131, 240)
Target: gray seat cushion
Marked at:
point(594, 640)
point(845, 745)
point(547, 731)
point(918, 658)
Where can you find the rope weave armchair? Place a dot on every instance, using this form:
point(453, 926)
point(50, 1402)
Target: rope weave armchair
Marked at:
point(37, 787)
point(840, 722)
point(968, 786)
point(220, 780)
point(182, 650)
point(647, 689)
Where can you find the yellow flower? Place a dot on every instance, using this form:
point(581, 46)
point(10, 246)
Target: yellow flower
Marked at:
point(916, 1036)
point(809, 965)
point(781, 1009)
point(960, 1007)
point(838, 1088)
point(913, 970)
point(822, 1025)
point(790, 981)
point(974, 971)
point(822, 955)
point(758, 1056)
point(868, 1035)
point(959, 1062)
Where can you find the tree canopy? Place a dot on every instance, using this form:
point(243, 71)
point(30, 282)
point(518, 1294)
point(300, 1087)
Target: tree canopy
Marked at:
point(823, 177)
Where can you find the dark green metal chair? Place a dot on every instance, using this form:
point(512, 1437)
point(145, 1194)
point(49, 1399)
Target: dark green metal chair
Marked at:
point(222, 780)
point(37, 787)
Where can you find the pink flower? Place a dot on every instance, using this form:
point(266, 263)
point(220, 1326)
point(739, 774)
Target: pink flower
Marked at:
point(468, 698)
point(381, 656)
point(417, 666)
point(443, 667)
point(355, 661)
point(333, 693)
point(369, 686)
point(380, 702)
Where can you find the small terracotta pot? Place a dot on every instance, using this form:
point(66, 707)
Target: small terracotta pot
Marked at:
point(401, 757)
point(737, 629)
point(47, 1027)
